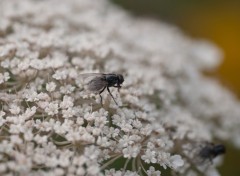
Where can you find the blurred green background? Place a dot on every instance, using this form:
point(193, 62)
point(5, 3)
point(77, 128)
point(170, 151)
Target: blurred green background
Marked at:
point(215, 20)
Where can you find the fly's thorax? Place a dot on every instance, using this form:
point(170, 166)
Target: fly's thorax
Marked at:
point(112, 79)
point(206, 152)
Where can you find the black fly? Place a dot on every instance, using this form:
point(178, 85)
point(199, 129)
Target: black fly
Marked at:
point(210, 151)
point(200, 155)
point(98, 82)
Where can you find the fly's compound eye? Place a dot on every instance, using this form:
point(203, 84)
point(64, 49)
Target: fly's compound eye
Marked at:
point(120, 78)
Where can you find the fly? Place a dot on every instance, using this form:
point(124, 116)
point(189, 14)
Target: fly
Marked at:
point(210, 151)
point(98, 82)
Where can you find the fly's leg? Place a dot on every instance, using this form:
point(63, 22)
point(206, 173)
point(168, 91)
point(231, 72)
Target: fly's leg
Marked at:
point(118, 86)
point(101, 95)
point(111, 96)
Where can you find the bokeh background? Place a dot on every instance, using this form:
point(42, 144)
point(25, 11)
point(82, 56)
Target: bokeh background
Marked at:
point(215, 20)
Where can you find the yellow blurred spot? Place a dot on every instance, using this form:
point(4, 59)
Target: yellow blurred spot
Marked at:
point(221, 25)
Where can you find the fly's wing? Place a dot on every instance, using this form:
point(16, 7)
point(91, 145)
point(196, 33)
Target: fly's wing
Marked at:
point(96, 84)
point(202, 155)
point(93, 82)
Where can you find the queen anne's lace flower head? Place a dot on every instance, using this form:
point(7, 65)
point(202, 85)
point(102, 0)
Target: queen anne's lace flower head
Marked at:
point(50, 126)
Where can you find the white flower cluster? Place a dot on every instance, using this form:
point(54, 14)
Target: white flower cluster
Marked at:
point(50, 126)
